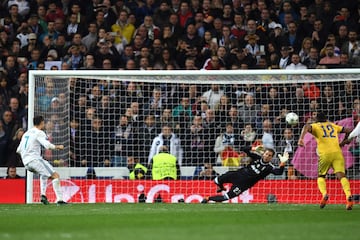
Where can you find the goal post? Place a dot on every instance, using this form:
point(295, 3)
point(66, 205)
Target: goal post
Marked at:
point(109, 119)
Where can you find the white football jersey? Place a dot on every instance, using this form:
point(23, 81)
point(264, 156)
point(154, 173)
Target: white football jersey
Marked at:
point(355, 133)
point(30, 145)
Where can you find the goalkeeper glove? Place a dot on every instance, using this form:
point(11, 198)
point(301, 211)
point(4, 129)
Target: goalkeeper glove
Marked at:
point(283, 158)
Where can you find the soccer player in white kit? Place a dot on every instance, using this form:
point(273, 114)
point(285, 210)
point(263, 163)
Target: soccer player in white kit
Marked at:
point(355, 133)
point(30, 152)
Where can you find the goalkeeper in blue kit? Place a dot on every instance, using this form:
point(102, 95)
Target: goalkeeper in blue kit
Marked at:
point(242, 179)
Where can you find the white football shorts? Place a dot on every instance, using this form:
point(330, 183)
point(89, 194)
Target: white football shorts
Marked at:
point(41, 167)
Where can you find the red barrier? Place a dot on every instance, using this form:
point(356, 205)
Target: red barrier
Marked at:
point(282, 191)
point(12, 191)
point(96, 191)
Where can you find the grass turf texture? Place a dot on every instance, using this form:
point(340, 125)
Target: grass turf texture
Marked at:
point(178, 221)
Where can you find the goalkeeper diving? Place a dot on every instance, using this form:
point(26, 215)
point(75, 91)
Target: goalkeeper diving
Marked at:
point(244, 178)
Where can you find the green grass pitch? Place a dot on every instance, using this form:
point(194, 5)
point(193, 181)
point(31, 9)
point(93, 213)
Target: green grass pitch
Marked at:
point(183, 221)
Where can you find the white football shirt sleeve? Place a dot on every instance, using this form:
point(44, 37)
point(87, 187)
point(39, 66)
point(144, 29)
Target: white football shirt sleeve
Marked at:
point(356, 132)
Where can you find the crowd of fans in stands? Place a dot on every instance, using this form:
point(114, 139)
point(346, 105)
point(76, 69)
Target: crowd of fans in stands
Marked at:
point(166, 35)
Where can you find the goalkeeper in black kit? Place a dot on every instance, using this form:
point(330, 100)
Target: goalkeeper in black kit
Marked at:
point(242, 179)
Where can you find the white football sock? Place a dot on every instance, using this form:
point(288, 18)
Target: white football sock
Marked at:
point(43, 184)
point(57, 189)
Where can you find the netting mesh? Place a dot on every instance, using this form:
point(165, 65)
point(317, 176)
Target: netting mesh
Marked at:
point(52, 101)
point(204, 120)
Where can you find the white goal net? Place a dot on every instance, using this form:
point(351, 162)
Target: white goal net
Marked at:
point(112, 124)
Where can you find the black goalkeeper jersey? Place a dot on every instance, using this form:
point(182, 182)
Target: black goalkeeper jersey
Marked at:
point(256, 170)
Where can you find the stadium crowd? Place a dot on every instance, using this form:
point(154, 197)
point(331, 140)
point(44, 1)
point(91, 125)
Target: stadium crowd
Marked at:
point(196, 123)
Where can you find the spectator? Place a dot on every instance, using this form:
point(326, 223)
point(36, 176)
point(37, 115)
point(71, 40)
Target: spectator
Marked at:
point(191, 37)
point(266, 112)
point(344, 18)
point(248, 135)
point(96, 151)
point(90, 39)
point(123, 29)
point(206, 172)
point(195, 145)
point(144, 136)
point(319, 35)
point(6, 92)
point(238, 28)
point(183, 109)
point(248, 111)
point(100, 20)
point(74, 58)
point(330, 103)
point(162, 14)
point(226, 147)
point(14, 17)
point(18, 113)
point(285, 59)
point(330, 40)
point(61, 46)
point(11, 173)
point(147, 9)
point(34, 59)
point(30, 45)
point(23, 33)
point(349, 93)
point(123, 140)
point(184, 13)
point(313, 60)
point(59, 26)
point(292, 38)
point(106, 50)
point(166, 138)
point(352, 48)
point(213, 95)
point(295, 63)
point(164, 60)
point(287, 144)
point(12, 71)
point(300, 104)
point(155, 105)
point(89, 62)
point(305, 49)
point(53, 12)
point(222, 108)
point(330, 58)
point(342, 35)
point(287, 8)
point(344, 61)
point(267, 133)
point(136, 169)
point(164, 166)
point(75, 8)
point(153, 31)
point(174, 24)
point(109, 14)
point(3, 143)
point(200, 25)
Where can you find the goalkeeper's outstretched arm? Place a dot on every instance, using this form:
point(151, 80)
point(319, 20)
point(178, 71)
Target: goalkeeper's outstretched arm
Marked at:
point(283, 159)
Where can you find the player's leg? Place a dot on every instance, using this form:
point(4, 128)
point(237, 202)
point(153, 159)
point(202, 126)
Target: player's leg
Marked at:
point(323, 167)
point(43, 186)
point(37, 166)
point(45, 169)
point(233, 192)
point(339, 169)
point(57, 187)
point(227, 177)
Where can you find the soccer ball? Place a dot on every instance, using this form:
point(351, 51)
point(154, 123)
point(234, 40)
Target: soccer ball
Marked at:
point(292, 118)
